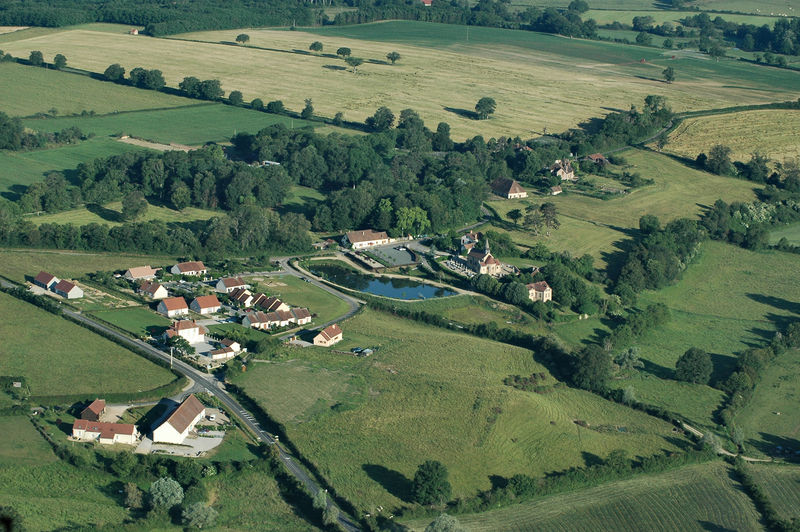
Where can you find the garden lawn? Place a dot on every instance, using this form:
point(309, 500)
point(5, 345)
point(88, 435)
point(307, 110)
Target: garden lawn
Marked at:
point(138, 320)
point(111, 214)
point(428, 393)
point(698, 497)
point(58, 357)
point(298, 293)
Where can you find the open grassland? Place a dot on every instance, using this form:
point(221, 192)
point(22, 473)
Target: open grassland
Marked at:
point(17, 264)
point(771, 418)
point(700, 497)
point(774, 133)
point(790, 232)
point(21, 444)
point(111, 214)
point(68, 359)
point(21, 168)
point(29, 90)
point(59, 496)
point(138, 320)
point(428, 393)
point(192, 125)
point(763, 7)
point(535, 93)
point(253, 335)
point(298, 293)
point(782, 485)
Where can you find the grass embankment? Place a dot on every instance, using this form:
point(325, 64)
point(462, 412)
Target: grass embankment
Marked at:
point(58, 357)
point(427, 393)
point(436, 58)
point(700, 497)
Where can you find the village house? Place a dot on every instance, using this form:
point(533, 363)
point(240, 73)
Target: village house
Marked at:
point(105, 433)
point(205, 304)
point(598, 159)
point(45, 280)
point(173, 306)
point(188, 329)
point(556, 190)
point(328, 336)
point(468, 241)
point(141, 272)
point(227, 342)
point(540, 291)
point(427, 3)
point(134, 31)
point(226, 285)
point(301, 315)
point(508, 188)
point(154, 290)
point(223, 353)
point(482, 262)
point(178, 425)
point(365, 238)
point(256, 320)
point(269, 304)
point(194, 268)
point(241, 297)
point(94, 411)
point(68, 290)
point(564, 170)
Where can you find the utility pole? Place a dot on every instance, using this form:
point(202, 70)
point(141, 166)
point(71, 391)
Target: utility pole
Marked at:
point(170, 357)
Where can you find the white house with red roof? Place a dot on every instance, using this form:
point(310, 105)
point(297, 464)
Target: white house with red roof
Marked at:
point(188, 329)
point(139, 273)
point(45, 280)
point(205, 304)
point(105, 433)
point(173, 306)
point(365, 238)
point(195, 268)
point(540, 291)
point(226, 285)
point(177, 426)
point(328, 336)
point(68, 290)
point(153, 289)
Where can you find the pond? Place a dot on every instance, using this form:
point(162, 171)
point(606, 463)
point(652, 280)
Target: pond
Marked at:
point(379, 286)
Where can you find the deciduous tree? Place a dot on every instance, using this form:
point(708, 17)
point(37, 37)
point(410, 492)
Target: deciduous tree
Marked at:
point(316, 46)
point(59, 61)
point(669, 74)
point(393, 57)
point(694, 366)
point(308, 110)
point(430, 483)
point(134, 205)
point(343, 52)
point(165, 493)
point(242, 38)
point(444, 523)
point(199, 515)
point(485, 107)
point(382, 120)
point(36, 58)
point(114, 73)
point(354, 62)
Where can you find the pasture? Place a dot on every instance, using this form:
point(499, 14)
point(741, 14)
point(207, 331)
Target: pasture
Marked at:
point(607, 16)
point(111, 214)
point(782, 486)
point(138, 320)
point(436, 62)
point(298, 293)
point(21, 444)
point(428, 393)
point(68, 359)
point(774, 133)
point(698, 497)
point(30, 90)
point(790, 232)
point(17, 264)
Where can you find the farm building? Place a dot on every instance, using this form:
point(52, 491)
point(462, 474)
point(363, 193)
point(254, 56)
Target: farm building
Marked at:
point(68, 290)
point(188, 329)
point(173, 306)
point(94, 411)
point(365, 238)
point(482, 262)
point(540, 291)
point(597, 158)
point(328, 336)
point(141, 272)
point(242, 297)
point(226, 285)
point(195, 268)
point(564, 170)
point(45, 280)
point(154, 290)
point(508, 188)
point(227, 342)
point(105, 433)
point(178, 425)
point(205, 304)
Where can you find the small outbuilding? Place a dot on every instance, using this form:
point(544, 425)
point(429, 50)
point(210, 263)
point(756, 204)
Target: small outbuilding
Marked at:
point(94, 411)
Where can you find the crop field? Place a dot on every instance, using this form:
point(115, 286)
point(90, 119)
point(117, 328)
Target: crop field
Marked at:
point(17, 264)
point(298, 293)
point(28, 90)
point(111, 214)
point(774, 133)
point(191, 124)
point(435, 62)
point(699, 497)
point(428, 393)
point(22, 168)
point(68, 359)
point(771, 418)
point(21, 444)
point(782, 485)
point(138, 320)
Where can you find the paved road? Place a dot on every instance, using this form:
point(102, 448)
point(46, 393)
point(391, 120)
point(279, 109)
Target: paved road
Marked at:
point(210, 383)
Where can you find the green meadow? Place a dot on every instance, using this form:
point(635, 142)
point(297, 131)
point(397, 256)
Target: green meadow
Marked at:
point(137, 320)
point(111, 214)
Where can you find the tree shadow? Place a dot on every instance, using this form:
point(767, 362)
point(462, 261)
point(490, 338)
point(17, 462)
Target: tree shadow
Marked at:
point(109, 215)
point(681, 443)
point(777, 446)
point(463, 113)
point(713, 527)
point(723, 366)
point(392, 481)
point(301, 52)
point(591, 459)
point(376, 62)
point(498, 482)
point(776, 302)
point(334, 67)
point(14, 192)
point(657, 370)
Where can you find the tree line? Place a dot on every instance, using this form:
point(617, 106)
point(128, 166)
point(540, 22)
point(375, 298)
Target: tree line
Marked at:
point(14, 136)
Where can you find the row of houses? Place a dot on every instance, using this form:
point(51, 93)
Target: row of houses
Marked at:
point(244, 298)
point(60, 287)
point(172, 307)
point(146, 273)
point(276, 319)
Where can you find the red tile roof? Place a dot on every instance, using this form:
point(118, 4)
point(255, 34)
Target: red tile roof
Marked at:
point(301, 313)
point(185, 325)
point(229, 282)
point(185, 413)
point(330, 331)
point(541, 286)
point(149, 287)
point(106, 430)
point(366, 235)
point(44, 278)
point(174, 303)
point(97, 407)
point(207, 301)
point(64, 286)
point(142, 271)
point(193, 266)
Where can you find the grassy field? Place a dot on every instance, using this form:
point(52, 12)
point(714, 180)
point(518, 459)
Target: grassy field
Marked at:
point(17, 264)
point(27, 91)
point(21, 444)
point(111, 214)
point(745, 132)
point(606, 16)
point(193, 124)
point(765, 7)
point(298, 293)
point(791, 232)
point(435, 61)
point(700, 497)
point(22, 168)
point(427, 393)
point(68, 359)
point(137, 320)
point(782, 485)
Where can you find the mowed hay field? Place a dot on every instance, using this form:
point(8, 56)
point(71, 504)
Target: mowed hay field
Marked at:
point(428, 393)
point(27, 90)
point(782, 486)
point(699, 497)
point(436, 73)
point(68, 359)
point(774, 133)
point(111, 214)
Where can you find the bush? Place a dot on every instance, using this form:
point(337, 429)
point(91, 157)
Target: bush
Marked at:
point(694, 366)
point(165, 493)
